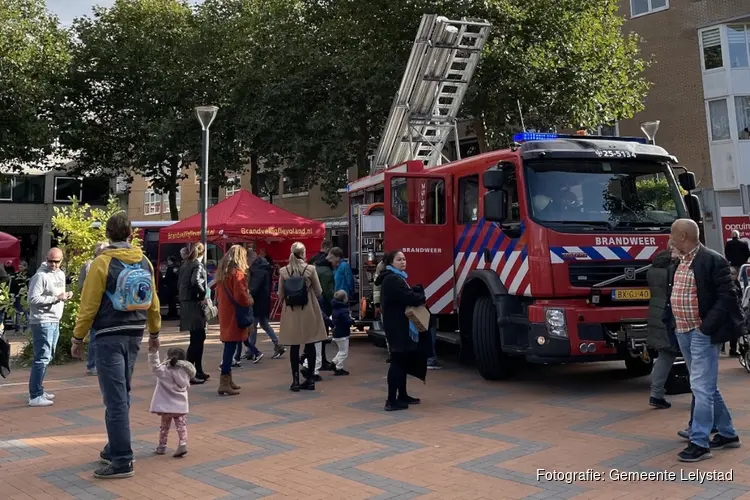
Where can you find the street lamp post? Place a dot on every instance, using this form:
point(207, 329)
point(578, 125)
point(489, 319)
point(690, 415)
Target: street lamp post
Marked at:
point(206, 115)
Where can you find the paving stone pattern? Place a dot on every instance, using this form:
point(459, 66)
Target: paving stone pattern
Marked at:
point(469, 439)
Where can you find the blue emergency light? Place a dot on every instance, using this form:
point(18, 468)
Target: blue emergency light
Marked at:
point(522, 137)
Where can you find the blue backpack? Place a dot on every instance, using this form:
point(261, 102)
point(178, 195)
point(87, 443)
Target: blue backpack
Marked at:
point(133, 289)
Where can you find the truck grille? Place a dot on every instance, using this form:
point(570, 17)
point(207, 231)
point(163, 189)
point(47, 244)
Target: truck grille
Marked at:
point(590, 273)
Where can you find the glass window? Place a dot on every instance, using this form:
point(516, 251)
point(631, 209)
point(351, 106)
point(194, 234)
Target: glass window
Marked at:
point(28, 189)
point(711, 41)
point(96, 190)
point(719, 119)
point(468, 199)
point(268, 183)
point(469, 148)
point(603, 193)
point(295, 181)
point(737, 41)
point(418, 200)
point(611, 130)
point(213, 195)
point(151, 202)
point(742, 108)
point(235, 185)
point(67, 188)
point(640, 7)
point(6, 188)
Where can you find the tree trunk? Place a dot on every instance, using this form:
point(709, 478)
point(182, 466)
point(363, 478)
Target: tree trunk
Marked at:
point(174, 212)
point(254, 174)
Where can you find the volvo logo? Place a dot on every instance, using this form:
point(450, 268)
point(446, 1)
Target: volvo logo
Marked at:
point(629, 273)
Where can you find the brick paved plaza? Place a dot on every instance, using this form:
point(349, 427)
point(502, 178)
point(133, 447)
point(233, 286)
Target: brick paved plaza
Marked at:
point(469, 439)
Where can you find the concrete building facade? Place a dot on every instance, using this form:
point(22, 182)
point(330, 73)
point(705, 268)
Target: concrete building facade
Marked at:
point(701, 95)
point(28, 200)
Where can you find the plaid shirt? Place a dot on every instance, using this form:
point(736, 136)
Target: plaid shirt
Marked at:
point(684, 299)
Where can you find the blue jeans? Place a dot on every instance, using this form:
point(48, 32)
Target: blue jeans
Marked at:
point(115, 359)
point(433, 333)
point(226, 358)
point(252, 339)
point(44, 337)
point(266, 325)
point(702, 358)
point(91, 352)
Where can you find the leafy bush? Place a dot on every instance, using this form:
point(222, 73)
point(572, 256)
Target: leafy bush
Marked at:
point(78, 229)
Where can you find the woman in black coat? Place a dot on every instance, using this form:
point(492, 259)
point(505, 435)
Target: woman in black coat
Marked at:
point(191, 286)
point(403, 338)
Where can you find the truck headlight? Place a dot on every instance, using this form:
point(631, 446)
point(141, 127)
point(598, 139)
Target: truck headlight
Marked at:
point(555, 319)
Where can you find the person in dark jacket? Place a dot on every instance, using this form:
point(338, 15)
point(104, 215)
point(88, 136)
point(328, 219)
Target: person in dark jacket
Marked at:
point(703, 311)
point(342, 324)
point(324, 269)
point(169, 287)
point(192, 293)
point(737, 251)
point(260, 290)
point(403, 338)
point(658, 339)
point(325, 247)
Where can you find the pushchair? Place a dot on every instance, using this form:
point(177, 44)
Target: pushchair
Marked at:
point(743, 343)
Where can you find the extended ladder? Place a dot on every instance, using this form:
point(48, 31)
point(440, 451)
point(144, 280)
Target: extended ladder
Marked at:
point(424, 111)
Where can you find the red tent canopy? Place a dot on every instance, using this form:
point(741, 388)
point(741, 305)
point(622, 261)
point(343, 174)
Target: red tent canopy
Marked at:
point(245, 217)
point(10, 250)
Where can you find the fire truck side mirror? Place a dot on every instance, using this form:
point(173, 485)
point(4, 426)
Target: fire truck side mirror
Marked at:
point(495, 206)
point(693, 205)
point(497, 177)
point(687, 180)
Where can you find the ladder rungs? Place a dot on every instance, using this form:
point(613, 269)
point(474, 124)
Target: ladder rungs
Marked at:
point(465, 48)
point(444, 80)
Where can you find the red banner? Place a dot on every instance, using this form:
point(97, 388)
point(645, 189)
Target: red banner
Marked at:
point(739, 223)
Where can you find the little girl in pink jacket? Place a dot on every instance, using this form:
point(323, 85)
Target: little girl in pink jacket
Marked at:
point(171, 396)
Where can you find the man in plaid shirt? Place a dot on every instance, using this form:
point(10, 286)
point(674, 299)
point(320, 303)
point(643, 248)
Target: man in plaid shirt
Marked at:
point(703, 312)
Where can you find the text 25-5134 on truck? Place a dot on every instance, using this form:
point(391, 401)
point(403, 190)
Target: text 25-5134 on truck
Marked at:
point(537, 251)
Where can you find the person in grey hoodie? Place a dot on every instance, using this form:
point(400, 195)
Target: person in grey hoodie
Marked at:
point(46, 297)
point(91, 353)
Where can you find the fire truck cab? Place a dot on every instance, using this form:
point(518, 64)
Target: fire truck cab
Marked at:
point(539, 251)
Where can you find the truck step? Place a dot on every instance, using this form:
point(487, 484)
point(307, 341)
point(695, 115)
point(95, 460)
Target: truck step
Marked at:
point(447, 337)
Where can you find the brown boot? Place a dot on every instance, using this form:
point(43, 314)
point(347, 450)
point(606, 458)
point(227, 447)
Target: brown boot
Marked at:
point(232, 384)
point(225, 387)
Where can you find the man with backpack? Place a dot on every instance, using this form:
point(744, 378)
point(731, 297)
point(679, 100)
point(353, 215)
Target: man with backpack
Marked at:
point(119, 301)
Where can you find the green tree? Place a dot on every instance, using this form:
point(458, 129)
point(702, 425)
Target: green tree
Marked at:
point(253, 73)
point(566, 61)
point(78, 228)
point(134, 82)
point(33, 58)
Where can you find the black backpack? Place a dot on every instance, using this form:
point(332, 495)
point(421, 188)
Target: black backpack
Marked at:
point(295, 289)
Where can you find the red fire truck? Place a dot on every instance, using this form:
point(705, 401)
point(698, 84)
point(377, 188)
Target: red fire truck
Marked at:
point(538, 251)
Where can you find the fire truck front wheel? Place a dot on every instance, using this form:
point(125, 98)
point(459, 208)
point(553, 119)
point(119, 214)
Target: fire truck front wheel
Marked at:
point(637, 367)
point(491, 362)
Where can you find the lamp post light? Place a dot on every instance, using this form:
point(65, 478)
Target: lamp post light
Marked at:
point(206, 115)
point(650, 129)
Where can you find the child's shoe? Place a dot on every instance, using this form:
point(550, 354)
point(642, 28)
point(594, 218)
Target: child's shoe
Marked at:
point(161, 450)
point(341, 372)
point(181, 451)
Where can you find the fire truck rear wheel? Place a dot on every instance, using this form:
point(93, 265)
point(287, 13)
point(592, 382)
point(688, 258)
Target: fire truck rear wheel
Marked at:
point(637, 367)
point(491, 362)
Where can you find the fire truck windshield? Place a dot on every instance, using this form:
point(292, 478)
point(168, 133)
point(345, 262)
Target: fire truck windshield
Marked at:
point(603, 194)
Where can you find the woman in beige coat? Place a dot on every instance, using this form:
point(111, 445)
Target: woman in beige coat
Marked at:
point(301, 325)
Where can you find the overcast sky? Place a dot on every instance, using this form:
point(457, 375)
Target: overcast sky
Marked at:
point(67, 10)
